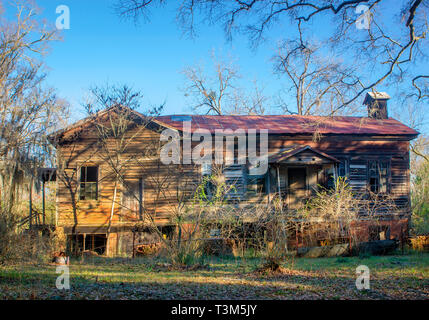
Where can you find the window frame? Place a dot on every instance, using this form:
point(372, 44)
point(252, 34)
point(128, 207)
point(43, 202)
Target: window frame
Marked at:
point(237, 182)
point(83, 183)
point(253, 184)
point(382, 188)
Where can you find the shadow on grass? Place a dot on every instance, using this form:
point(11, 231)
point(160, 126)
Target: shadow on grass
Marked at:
point(397, 277)
point(134, 281)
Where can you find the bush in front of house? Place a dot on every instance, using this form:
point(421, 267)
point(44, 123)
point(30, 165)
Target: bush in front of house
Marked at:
point(26, 246)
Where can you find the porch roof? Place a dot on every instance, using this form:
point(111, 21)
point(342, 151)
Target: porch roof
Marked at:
point(47, 174)
point(301, 155)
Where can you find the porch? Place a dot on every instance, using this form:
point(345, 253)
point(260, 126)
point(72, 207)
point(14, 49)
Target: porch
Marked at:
point(297, 172)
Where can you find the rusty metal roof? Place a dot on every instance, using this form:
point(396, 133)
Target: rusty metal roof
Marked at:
point(292, 124)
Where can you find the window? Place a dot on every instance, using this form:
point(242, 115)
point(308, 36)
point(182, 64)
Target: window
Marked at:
point(87, 242)
point(330, 177)
point(206, 169)
point(358, 176)
point(373, 177)
point(378, 176)
point(234, 181)
point(209, 188)
point(96, 243)
point(88, 183)
point(384, 176)
point(342, 168)
point(256, 185)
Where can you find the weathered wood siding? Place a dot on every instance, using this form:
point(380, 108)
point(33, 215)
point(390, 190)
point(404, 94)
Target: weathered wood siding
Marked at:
point(164, 185)
point(356, 152)
point(160, 182)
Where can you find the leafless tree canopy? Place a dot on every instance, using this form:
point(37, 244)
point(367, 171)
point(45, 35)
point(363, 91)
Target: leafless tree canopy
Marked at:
point(390, 50)
point(217, 91)
point(319, 84)
point(28, 110)
point(211, 93)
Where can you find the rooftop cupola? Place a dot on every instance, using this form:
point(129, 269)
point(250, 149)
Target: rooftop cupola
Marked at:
point(376, 103)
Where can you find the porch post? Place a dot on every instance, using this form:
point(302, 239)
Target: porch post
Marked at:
point(30, 205)
point(335, 172)
point(279, 187)
point(43, 202)
point(268, 184)
point(134, 243)
point(84, 243)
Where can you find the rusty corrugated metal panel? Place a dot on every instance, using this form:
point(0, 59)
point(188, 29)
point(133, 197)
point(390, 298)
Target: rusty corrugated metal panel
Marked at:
point(292, 124)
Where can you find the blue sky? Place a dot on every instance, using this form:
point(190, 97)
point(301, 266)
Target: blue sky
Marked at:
point(100, 48)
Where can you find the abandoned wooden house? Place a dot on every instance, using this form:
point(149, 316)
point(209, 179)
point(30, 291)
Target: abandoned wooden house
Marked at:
point(372, 152)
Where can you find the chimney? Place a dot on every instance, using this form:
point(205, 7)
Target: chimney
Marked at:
point(376, 103)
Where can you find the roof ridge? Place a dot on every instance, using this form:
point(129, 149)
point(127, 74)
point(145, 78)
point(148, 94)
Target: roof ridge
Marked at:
point(269, 115)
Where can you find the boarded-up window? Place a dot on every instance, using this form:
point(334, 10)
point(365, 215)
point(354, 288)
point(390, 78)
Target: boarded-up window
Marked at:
point(88, 183)
point(358, 175)
point(234, 180)
point(132, 198)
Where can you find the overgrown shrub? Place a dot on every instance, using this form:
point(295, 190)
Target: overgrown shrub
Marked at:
point(186, 253)
point(420, 243)
point(329, 214)
point(9, 239)
point(23, 246)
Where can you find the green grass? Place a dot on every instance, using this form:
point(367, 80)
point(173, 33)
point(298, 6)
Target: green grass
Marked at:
point(392, 277)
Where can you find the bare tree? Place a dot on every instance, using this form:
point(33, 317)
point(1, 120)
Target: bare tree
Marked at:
point(412, 113)
point(212, 93)
point(218, 92)
point(421, 148)
point(318, 84)
point(388, 52)
point(252, 101)
point(118, 104)
point(28, 110)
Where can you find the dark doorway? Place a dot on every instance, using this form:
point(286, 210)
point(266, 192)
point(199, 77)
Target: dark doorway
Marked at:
point(297, 186)
point(96, 243)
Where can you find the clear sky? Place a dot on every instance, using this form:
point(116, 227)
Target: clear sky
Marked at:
point(99, 47)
